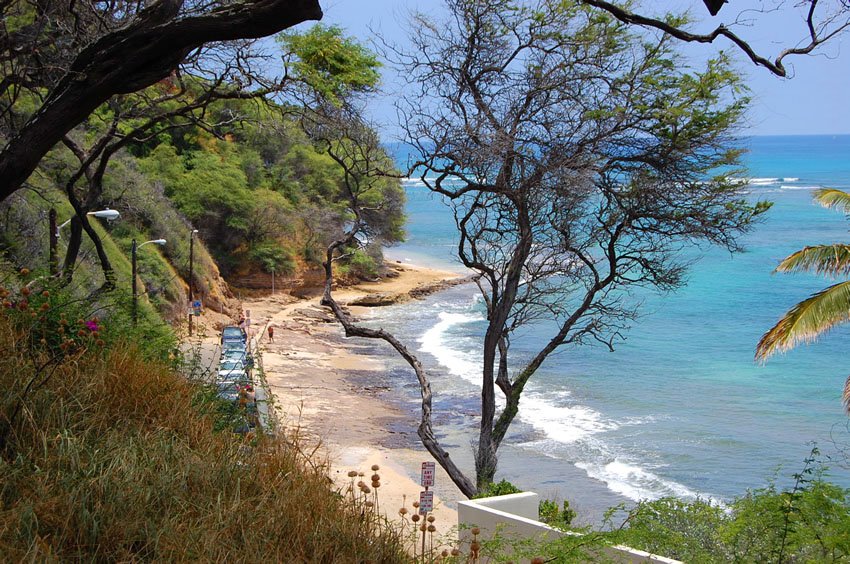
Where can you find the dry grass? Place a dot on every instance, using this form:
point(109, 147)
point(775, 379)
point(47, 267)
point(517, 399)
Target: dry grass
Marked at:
point(112, 459)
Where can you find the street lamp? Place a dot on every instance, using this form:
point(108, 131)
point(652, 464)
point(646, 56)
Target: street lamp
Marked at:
point(191, 276)
point(133, 257)
point(107, 214)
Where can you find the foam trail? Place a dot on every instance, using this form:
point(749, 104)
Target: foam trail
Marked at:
point(784, 187)
point(762, 181)
point(790, 179)
point(564, 424)
point(634, 482)
point(459, 363)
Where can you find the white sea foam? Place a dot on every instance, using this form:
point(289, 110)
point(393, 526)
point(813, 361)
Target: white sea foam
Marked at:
point(784, 187)
point(634, 482)
point(464, 364)
point(762, 181)
point(790, 179)
point(562, 423)
point(418, 180)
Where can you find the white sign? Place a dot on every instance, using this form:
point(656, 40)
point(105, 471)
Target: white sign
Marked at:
point(428, 472)
point(426, 502)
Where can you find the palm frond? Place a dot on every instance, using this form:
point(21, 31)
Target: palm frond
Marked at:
point(807, 320)
point(846, 396)
point(833, 198)
point(830, 260)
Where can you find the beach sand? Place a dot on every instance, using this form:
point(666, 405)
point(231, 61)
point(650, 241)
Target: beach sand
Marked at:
point(327, 387)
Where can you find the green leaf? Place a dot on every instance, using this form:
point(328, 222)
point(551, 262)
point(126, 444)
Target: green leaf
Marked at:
point(807, 320)
point(830, 260)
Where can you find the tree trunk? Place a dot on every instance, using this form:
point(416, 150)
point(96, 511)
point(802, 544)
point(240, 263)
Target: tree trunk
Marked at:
point(485, 455)
point(425, 429)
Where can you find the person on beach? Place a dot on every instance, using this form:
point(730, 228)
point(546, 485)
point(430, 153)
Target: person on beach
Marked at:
point(271, 334)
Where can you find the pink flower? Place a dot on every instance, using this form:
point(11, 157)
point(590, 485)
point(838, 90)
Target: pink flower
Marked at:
point(92, 325)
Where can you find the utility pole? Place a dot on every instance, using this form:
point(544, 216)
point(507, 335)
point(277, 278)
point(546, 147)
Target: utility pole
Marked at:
point(54, 243)
point(135, 309)
point(191, 277)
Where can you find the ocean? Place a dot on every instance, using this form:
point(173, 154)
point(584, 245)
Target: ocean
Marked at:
point(680, 408)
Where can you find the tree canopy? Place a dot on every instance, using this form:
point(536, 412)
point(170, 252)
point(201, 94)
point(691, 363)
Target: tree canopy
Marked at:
point(579, 159)
point(66, 59)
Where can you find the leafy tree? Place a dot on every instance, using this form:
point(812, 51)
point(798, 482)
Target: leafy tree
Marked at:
point(578, 160)
point(332, 65)
point(822, 311)
point(66, 59)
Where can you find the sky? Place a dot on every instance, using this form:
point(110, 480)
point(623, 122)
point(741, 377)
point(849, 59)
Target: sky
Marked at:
point(815, 101)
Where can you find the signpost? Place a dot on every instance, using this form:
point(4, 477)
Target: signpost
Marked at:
point(426, 502)
point(426, 498)
point(428, 472)
point(196, 308)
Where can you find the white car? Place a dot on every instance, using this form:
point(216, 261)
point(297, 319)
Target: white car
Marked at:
point(230, 368)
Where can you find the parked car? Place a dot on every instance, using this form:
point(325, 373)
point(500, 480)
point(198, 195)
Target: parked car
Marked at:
point(232, 333)
point(230, 367)
point(234, 354)
point(231, 377)
point(228, 346)
point(229, 389)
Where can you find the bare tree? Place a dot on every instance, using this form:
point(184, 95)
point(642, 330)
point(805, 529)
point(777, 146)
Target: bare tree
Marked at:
point(356, 148)
point(821, 21)
point(579, 160)
point(72, 57)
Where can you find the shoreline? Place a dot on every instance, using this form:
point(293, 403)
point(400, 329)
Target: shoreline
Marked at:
point(327, 388)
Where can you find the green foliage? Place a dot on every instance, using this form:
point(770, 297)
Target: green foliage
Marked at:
point(333, 65)
point(825, 309)
point(273, 258)
point(362, 265)
point(265, 186)
point(805, 523)
point(686, 531)
point(120, 458)
point(502, 487)
point(555, 516)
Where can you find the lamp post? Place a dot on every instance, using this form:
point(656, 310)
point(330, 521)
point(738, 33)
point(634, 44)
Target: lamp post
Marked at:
point(191, 276)
point(107, 214)
point(133, 261)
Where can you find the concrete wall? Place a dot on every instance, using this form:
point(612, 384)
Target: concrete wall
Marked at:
point(515, 516)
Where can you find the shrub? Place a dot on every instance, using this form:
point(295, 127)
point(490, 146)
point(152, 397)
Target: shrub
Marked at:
point(114, 456)
point(503, 487)
point(555, 516)
point(807, 522)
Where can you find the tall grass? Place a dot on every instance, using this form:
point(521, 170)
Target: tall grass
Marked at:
point(114, 457)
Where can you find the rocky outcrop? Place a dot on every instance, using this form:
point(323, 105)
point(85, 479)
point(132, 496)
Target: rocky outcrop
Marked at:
point(382, 299)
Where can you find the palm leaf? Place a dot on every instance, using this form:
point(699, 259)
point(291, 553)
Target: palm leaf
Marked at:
point(846, 396)
point(830, 260)
point(807, 320)
point(832, 198)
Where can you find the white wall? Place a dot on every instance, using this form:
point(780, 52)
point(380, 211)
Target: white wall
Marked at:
point(515, 516)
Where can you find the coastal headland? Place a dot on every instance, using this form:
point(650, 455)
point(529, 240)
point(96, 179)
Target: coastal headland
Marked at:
point(328, 387)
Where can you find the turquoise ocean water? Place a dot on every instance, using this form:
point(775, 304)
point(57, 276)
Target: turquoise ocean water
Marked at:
point(680, 408)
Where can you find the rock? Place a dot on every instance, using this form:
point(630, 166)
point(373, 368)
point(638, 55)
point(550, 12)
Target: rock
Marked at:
point(376, 300)
point(316, 314)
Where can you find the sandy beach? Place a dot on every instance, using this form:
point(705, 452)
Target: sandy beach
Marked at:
point(324, 386)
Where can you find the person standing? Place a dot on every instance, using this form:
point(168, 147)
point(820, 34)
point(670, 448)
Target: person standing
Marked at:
point(271, 334)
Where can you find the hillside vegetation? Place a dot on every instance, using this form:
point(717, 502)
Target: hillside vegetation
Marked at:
point(217, 147)
point(109, 454)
